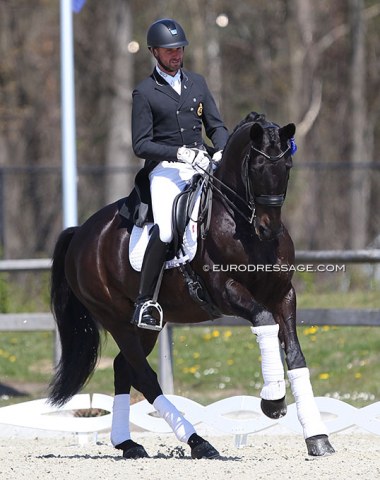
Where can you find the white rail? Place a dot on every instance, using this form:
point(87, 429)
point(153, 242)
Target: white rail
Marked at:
point(238, 416)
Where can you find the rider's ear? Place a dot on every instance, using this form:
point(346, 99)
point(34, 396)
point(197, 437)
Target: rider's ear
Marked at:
point(257, 133)
point(287, 132)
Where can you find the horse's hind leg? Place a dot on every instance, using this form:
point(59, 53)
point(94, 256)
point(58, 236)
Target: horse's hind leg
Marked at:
point(133, 369)
point(120, 431)
point(314, 430)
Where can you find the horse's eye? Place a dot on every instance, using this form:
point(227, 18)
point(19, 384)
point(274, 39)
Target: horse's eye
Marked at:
point(258, 166)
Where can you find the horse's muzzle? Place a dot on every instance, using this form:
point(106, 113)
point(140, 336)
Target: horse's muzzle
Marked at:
point(265, 231)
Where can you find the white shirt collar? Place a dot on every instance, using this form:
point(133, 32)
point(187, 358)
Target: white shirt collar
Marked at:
point(173, 80)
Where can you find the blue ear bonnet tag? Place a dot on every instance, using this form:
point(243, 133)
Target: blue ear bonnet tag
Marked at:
point(293, 146)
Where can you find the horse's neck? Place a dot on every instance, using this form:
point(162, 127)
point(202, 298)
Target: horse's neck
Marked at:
point(230, 170)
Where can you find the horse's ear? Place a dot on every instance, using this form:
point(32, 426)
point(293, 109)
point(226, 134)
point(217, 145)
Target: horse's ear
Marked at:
point(287, 132)
point(257, 133)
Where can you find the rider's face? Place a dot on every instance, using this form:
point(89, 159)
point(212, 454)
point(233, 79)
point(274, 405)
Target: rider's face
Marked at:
point(169, 59)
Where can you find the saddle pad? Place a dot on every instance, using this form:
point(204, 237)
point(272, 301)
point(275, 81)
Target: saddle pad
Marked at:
point(140, 237)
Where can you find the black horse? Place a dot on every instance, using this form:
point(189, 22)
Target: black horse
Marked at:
point(94, 286)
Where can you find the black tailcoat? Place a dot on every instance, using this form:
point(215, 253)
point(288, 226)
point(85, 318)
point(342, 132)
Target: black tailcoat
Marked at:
point(162, 120)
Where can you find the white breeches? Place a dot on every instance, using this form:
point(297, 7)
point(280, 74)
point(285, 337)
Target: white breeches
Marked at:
point(167, 180)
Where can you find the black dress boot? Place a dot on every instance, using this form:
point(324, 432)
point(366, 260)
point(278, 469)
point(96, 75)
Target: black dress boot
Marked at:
point(146, 310)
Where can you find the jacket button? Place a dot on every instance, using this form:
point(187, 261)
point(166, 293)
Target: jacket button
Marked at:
point(182, 129)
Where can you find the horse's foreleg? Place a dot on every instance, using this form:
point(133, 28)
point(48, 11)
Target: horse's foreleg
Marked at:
point(273, 402)
point(314, 430)
point(265, 328)
point(240, 301)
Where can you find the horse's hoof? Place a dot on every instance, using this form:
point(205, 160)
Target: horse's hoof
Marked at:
point(132, 450)
point(319, 446)
point(201, 448)
point(204, 450)
point(274, 408)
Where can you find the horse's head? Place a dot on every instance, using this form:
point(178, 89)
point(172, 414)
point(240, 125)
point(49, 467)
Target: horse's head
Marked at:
point(266, 175)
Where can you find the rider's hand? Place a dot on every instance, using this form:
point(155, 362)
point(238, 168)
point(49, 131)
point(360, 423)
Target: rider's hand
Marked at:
point(194, 157)
point(217, 157)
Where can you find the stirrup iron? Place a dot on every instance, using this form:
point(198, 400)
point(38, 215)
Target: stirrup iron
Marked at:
point(143, 308)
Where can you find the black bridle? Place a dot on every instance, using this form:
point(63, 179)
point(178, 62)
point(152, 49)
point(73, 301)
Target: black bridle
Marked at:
point(251, 198)
point(267, 200)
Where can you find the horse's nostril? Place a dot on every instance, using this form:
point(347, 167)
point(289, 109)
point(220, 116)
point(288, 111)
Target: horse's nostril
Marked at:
point(264, 231)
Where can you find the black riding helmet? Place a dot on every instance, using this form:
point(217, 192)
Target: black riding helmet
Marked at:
point(166, 33)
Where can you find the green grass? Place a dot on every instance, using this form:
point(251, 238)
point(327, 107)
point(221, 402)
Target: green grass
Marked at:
point(333, 299)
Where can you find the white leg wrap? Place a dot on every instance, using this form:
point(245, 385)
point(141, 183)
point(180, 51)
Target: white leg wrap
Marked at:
point(181, 427)
point(120, 419)
point(271, 362)
point(307, 410)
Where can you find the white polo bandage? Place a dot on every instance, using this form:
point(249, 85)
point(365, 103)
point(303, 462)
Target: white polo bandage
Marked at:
point(307, 410)
point(181, 427)
point(120, 419)
point(271, 362)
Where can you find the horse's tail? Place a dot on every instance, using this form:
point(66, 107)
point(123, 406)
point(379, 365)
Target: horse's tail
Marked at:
point(79, 334)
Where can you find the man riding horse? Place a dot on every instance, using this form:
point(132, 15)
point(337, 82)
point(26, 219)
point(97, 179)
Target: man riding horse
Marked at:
point(168, 111)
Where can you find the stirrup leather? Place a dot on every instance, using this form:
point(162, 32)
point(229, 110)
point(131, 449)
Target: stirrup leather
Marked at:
point(143, 308)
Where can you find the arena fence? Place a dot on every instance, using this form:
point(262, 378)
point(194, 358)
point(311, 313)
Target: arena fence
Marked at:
point(237, 416)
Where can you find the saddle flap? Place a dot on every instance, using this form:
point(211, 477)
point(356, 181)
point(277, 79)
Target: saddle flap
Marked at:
point(183, 207)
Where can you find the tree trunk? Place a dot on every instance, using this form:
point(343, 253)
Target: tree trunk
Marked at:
point(119, 157)
point(360, 184)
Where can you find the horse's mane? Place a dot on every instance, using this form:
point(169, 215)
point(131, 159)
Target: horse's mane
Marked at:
point(252, 117)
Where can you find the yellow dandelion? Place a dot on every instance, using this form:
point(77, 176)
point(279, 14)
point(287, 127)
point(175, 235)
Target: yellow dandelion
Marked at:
point(196, 355)
point(324, 376)
point(227, 334)
point(311, 330)
point(358, 375)
point(182, 338)
point(216, 333)
point(194, 369)
point(12, 358)
point(207, 337)
point(325, 328)
point(230, 361)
